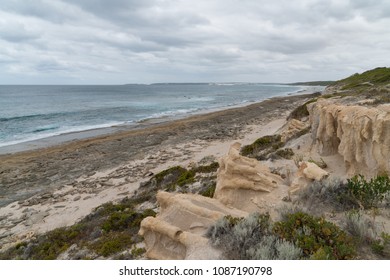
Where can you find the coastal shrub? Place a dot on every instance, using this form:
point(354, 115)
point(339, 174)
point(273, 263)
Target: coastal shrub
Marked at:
point(250, 238)
point(369, 193)
point(49, 246)
point(262, 147)
point(209, 191)
point(274, 248)
point(381, 246)
point(330, 192)
point(112, 243)
point(100, 231)
point(137, 252)
point(360, 228)
point(212, 167)
point(173, 177)
point(374, 77)
point(317, 238)
point(178, 178)
point(127, 219)
point(286, 153)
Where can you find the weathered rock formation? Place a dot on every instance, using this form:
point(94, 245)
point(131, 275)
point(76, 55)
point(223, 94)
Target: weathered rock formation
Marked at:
point(177, 231)
point(242, 181)
point(360, 134)
point(307, 173)
point(291, 128)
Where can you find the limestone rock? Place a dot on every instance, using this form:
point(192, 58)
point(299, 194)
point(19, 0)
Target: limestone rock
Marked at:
point(291, 128)
point(177, 231)
point(358, 133)
point(312, 171)
point(242, 180)
point(307, 172)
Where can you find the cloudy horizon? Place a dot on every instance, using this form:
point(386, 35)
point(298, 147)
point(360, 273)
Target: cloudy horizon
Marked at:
point(152, 41)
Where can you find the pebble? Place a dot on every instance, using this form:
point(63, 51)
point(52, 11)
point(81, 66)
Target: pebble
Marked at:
point(77, 198)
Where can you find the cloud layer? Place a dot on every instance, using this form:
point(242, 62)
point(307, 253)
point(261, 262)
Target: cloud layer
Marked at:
point(129, 41)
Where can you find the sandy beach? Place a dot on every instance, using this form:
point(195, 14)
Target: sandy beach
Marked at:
point(56, 186)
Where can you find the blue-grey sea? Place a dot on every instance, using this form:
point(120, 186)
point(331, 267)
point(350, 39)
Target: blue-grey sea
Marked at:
point(33, 112)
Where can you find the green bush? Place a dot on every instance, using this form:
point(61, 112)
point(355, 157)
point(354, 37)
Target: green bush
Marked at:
point(112, 243)
point(286, 153)
point(369, 193)
point(262, 147)
point(212, 167)
point(48, 247)
point(118, 221)
point(209, 192)
point(318, 238)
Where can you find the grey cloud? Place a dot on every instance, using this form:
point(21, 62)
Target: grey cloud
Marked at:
point(156, 40)
point(46, 10)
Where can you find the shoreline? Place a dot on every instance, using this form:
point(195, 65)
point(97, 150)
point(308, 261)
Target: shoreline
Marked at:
point(29, 172)
point(59, 185)
point(67, 137)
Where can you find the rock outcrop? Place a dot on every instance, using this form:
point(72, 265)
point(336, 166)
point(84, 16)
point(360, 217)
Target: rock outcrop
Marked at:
point(177, 231)
point(361, 135)
point(291, 129)
point(242, 181)
point(307, 173)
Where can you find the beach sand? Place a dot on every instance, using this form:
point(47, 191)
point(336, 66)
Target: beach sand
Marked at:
point(57, 186)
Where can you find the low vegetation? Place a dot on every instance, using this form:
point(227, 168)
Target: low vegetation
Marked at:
point(356, 193)
point(251, 238)
point(262, 147)
point(373, 84)
point(318, 238)
point(178, 178)
point(297, 236)
point(328, 195)
point(111, 230)
point(106, 232)
point(370, 193)
point(375, 77)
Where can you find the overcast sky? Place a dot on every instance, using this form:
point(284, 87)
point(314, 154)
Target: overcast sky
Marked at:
point(147, 41)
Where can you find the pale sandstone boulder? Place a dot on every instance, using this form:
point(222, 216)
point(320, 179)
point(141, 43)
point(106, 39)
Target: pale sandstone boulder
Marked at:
point(307, 173)
point(291, 128)
point(177, 231)
point(313, 171)
point(360, 134)
point(242, 181)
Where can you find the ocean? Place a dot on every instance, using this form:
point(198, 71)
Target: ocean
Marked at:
point(30, 113)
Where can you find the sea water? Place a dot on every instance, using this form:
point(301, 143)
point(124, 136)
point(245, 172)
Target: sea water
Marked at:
point(34, 112)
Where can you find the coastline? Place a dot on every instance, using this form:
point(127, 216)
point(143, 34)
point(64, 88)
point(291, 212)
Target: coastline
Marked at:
point(59, 163)
point(65, 137)
point(58, 185)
